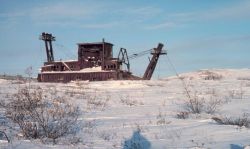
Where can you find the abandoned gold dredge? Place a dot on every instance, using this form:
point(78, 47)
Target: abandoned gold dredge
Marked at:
point(95, 63)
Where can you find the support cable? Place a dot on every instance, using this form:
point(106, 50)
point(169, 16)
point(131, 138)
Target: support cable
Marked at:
point(139, 54)
point(67, 53)
point(178, 76)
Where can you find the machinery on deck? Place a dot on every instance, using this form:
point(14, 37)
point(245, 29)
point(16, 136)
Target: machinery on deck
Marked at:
point(95, 63)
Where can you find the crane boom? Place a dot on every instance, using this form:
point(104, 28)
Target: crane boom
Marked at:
point(152, 64)
point(139, 54)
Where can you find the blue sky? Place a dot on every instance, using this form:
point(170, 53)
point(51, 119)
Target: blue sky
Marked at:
point(197, 34)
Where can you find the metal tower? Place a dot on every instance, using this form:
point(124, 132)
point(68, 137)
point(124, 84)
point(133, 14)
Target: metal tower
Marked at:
point(48, 38)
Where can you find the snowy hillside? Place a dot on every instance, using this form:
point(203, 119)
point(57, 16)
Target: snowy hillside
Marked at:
point(152, 114)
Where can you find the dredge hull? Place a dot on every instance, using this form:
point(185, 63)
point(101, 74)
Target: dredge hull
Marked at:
point(91, 76)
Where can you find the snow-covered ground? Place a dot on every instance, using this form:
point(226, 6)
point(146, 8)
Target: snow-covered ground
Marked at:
point(116, 112)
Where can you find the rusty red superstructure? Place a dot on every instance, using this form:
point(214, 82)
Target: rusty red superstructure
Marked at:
point(95, 63)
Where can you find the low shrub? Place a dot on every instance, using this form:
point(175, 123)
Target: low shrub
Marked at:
point(208, 75)
point(183, 115)
point(240, 121)
point(40, 117)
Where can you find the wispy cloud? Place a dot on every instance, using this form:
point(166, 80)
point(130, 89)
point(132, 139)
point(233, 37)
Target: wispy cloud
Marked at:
point(65, 11)
point(86, 14)
point(100, 25)
point(164, 25)
point(221, 42)
point(56, 14)
point(140, 13)
point(13, 14)
point(230, 12)
point(237, 11)
point(91, 13)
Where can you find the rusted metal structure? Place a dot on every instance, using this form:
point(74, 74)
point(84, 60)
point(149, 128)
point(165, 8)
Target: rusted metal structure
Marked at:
point(48, 38)
point(152, 64)
point(95, 63)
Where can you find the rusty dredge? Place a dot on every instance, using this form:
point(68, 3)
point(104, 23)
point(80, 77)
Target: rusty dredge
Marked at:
point(95, 63)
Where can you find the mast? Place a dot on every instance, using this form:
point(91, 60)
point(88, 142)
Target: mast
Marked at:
point(48, 38)
point(103, 52)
